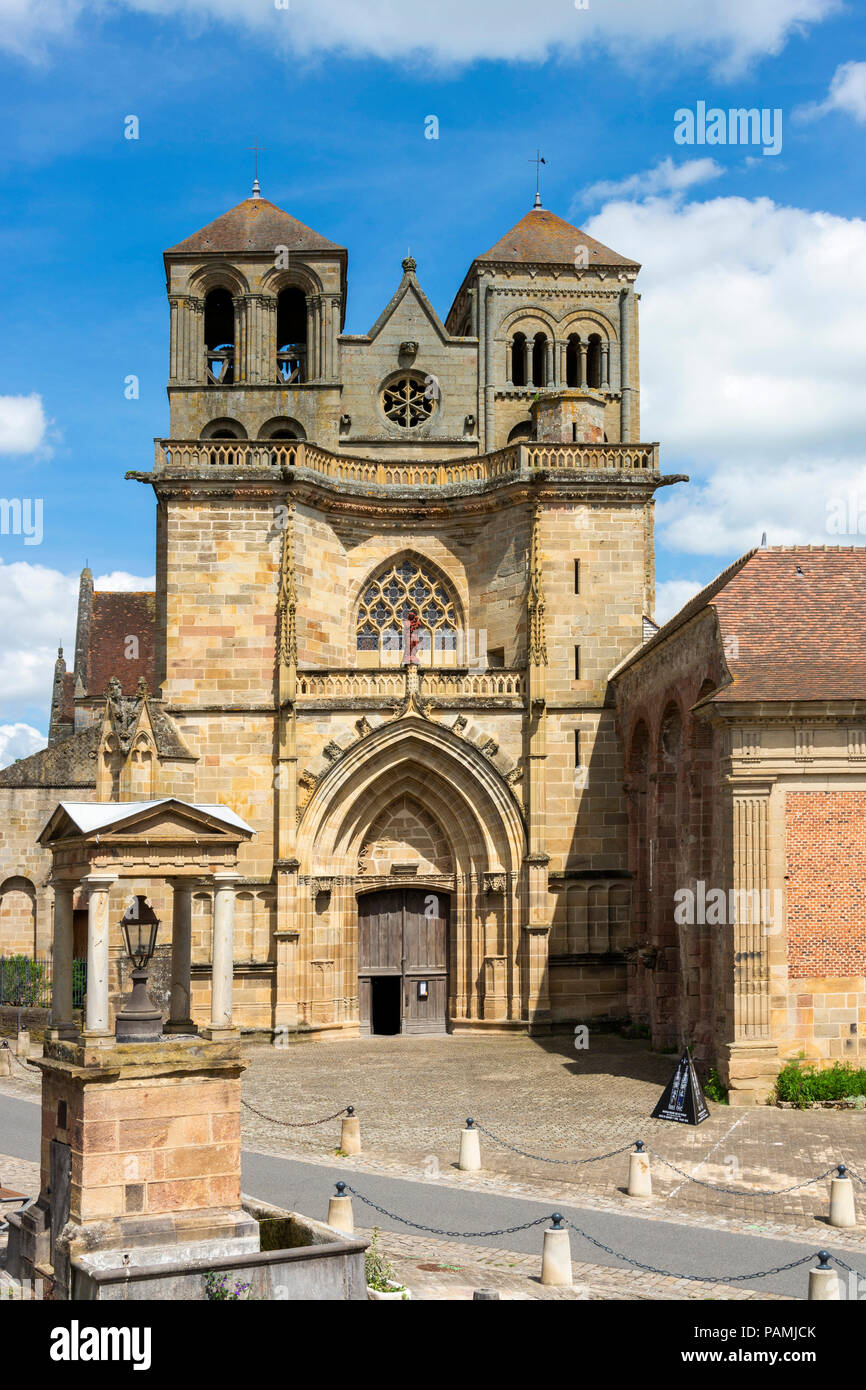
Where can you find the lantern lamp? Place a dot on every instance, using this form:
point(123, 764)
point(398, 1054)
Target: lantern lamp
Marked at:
point(139, 1021)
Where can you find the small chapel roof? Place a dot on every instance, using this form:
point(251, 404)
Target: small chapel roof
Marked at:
point(542, 237)
point(255, 225)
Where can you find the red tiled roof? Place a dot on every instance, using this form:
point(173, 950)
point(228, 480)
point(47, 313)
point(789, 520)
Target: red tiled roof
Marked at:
point(116, 618)
point(793, 620)
point(254, 225)
point(786, 635)
point(543, 237)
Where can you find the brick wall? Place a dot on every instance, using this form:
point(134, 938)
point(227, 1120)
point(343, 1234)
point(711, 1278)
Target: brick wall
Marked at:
point(826, 867)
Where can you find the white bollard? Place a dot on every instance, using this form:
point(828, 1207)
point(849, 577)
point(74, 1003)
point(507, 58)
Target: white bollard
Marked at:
point(22, 1045)
point(469, 1160)
point(340, 1211)
point(350, 1132)
point(640, 1181)
point(5, 1059)
point(842, 1209)
point(823, 1281)
point(556, 1255)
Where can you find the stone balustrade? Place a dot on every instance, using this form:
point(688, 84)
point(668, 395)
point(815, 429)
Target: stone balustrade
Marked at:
point(390, 684)
point(179, 456)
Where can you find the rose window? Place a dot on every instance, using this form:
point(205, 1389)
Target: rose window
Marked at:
point(407, 401)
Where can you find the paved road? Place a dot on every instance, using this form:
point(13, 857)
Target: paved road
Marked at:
point(670, 1246)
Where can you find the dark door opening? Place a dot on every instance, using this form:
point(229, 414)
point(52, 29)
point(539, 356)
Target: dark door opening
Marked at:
point(385, 1011)
point(403, 946)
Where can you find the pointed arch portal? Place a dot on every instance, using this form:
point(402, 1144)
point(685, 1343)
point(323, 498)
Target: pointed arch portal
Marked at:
point(421, 842)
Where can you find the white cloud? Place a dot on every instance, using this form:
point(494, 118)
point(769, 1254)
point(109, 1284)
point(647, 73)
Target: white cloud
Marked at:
point(38, 608)
point(671, 594)
point(22, 424)
point(847, 93)
point(729, 32)
point(19, 741)
point(666, 177)
point(751, 372)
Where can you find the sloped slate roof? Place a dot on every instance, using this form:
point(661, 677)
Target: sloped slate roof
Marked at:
point(69, 763)
point(254, 225)
point(543, 237)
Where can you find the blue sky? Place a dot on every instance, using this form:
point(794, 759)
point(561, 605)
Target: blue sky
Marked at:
point(753, 288)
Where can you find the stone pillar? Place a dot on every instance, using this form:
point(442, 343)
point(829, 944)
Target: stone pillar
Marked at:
point(286, 1007)
point(96, 1029)
point(563, 365)
point(548, 362)
point(179, 1020)
point(581, 364)
point(223, 955)
point(312, 369)
point(62, 1025)
point(527, 362)
point(752, 1055)
point(605, 365)
point(535, 941)
point(509, 356)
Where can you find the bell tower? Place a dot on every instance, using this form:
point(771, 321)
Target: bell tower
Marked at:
point(257, 304)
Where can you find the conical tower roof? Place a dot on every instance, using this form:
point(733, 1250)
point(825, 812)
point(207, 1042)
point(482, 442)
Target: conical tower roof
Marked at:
point(543, 238)
point(254, 226)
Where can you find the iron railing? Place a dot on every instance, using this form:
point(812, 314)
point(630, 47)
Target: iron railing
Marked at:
point(26, 982)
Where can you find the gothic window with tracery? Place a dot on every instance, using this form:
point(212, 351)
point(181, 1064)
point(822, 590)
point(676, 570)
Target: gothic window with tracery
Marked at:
point(387, 601)
point(409, 400)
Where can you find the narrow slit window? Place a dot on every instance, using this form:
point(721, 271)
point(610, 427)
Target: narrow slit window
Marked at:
point(577, 761)
point(577, 663)
point(577, 576)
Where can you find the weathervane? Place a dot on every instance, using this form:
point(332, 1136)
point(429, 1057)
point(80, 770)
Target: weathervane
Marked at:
point(537, 161)
point(256, 150)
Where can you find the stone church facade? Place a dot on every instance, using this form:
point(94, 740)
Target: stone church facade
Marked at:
point(395, 572)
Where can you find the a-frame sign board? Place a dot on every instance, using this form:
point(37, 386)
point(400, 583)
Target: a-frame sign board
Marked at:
point(682, 1099)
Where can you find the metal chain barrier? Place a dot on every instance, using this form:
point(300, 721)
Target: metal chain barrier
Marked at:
point(436, 1230)
point(694, 1278)
point(540, 1158)
point(742, 1191)
point(296, 1124)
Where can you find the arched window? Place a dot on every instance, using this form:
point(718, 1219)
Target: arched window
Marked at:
point(525, 430)
point(572, 360)
point(539, 360)
point(518, 360)
point(291, 336)
point(593, 361)
point(219, 337)
point(402, 589)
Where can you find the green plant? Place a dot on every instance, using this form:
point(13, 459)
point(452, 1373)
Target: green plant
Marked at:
point(216, 1288)
point(801, 1085)
point(714, 1088)
point(24, 983)
point(380, 1274)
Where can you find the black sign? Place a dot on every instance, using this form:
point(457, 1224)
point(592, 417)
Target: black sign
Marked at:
point(682, 1099)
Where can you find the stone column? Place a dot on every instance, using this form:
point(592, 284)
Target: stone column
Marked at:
point(62, 1025)
point(509, 354)
point(605, 365)
point(96, 1029)
point(223, 954)
point(311, 370)
point(527, 362)
point(548, 362)
point(179, 1020)
point(581, 363)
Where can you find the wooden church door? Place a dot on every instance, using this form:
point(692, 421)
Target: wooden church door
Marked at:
point(403, 960)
